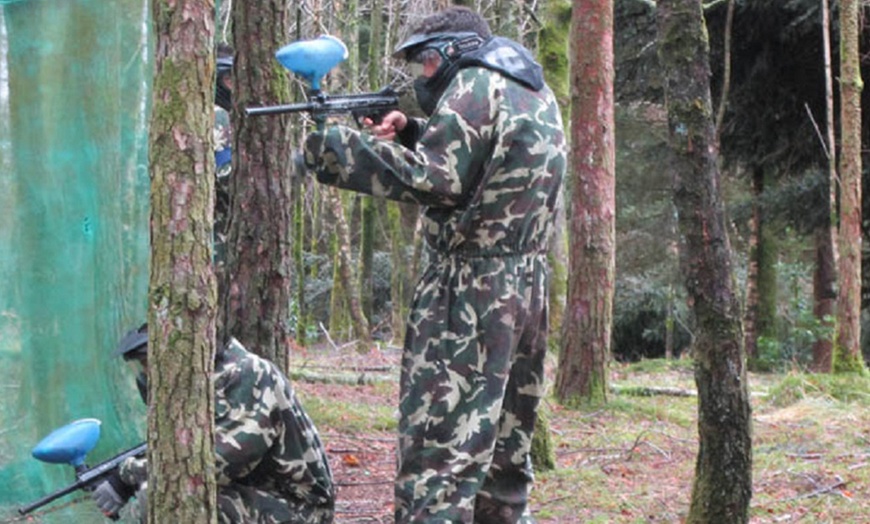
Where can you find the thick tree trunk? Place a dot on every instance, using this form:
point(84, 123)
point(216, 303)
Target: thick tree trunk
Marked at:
point(181, 480)
point(583, 361)
point(723, 470)
point(847, 352)
point(256, 290)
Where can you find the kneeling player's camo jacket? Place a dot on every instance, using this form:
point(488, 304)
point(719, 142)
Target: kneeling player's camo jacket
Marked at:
point(271, 464)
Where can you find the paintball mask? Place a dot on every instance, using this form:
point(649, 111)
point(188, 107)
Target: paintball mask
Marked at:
point(133, 348)
point(222, 94)
point(446, 48)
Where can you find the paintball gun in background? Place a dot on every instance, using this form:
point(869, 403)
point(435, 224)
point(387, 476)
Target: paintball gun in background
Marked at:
point(69, 445)
point(311, 60)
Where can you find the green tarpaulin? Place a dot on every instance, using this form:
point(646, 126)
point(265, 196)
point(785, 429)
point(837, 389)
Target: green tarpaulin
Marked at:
point(74, 83)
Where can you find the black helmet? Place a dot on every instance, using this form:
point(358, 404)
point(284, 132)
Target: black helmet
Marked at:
point(223, 97)
point(134, 344)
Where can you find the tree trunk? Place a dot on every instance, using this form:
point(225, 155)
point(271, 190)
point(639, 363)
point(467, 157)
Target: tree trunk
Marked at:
point(402, 239)
point(553, 55)
point(824, 297)
point(825, 272)
point(723, 470)
point(344, 274)
point(847, 352)
point(750, 333)
point(181, 481)
point(257, 286)
point(368, 203)
point(762, 288)
point(299, 311)
point(583, 361)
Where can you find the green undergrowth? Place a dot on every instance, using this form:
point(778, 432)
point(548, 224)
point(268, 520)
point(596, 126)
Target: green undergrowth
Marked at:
point(353, 413)
point(632, 459)
point(794, 387)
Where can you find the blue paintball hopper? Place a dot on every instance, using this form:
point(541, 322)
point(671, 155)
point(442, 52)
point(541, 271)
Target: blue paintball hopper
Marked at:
point(69, 444)
point(312, 59)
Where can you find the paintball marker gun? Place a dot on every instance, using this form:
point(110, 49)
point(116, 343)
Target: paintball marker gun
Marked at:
point(311, 60)
point(69, 445)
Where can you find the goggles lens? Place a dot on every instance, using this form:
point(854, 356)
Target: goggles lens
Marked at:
point(415, 69)
point(429, 57)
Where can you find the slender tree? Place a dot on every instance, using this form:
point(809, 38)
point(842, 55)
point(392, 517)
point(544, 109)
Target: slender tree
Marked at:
point(345, 290)
point(723, 470)
point(257, 285)
point(761, 282)
point(585, 343)
point(182, 312)
point(847, 356)
point(825, 272)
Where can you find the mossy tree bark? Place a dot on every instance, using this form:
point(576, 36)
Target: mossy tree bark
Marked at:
point(182, 312)
point(553, 55)
point(761, 284)
point(257, 283)
point(847, 350)
point(723, 470)
point(583, 361)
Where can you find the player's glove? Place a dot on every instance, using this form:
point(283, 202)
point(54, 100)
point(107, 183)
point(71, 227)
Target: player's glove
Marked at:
point(112, 494)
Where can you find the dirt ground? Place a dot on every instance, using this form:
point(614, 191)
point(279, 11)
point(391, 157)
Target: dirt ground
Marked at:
point(631, 462)
point(363, 462)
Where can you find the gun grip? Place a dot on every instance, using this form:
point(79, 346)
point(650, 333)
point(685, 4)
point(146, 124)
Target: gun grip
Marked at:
point(375, 116)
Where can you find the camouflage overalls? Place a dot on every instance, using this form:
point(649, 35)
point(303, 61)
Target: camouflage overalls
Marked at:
point(270, 462)
point(488, 165)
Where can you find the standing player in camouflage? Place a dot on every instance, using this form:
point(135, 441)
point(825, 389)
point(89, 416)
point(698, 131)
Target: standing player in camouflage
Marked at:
point(271, 466)
point(223, 141)
point(488, 165)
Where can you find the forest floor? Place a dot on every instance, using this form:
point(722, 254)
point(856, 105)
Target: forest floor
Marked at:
point(629, 461)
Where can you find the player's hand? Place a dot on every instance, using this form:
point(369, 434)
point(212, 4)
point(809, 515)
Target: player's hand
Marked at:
point(111, 495)
point(392, 123)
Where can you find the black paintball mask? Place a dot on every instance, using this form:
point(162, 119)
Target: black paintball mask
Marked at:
point(133, 348)
point(448, 47)
point(223, 97)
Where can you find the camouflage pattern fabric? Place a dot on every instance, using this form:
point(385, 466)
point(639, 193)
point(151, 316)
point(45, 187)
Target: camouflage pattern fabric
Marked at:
point(271, 464)
point(489, 165)
point(223, 140)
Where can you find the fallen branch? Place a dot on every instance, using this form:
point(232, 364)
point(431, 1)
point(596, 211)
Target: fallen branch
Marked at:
point(836, 486)
point(362, 379)
point(650, 391)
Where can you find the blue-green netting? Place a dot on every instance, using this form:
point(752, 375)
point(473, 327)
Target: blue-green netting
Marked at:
point(74, 84)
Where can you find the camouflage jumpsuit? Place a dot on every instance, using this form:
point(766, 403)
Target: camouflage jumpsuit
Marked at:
point(488, 166)
point(270, 462)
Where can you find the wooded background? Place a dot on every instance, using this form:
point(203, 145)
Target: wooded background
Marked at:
point(311, 267)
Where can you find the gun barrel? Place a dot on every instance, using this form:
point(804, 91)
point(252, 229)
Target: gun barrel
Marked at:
point(277, 110)
point(50, 497)
point(323, 104)
point(86, 478)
